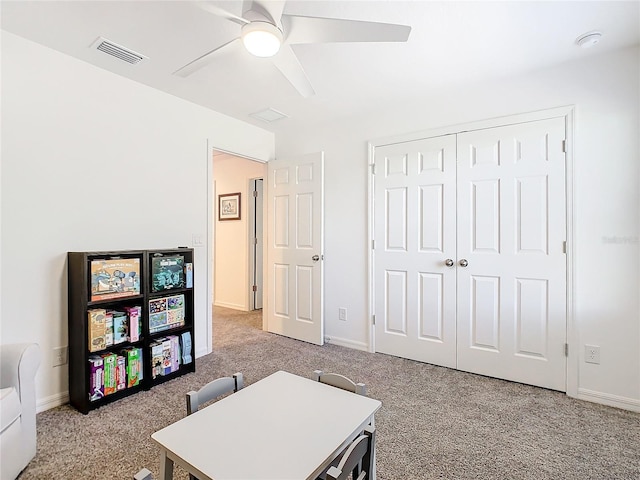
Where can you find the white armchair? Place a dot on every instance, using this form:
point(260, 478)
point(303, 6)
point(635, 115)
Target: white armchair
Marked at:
point(18, 366)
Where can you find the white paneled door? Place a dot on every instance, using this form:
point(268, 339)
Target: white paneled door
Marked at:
point(295, 247)
point(500, 308)
point(415, 230)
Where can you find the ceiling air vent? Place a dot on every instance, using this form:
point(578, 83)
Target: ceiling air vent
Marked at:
point(118, 51)
point(269, 115)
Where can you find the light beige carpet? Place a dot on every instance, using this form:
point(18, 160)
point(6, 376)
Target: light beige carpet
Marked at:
point(434, 423)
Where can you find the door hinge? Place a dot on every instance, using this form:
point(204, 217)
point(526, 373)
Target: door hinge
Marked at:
point(373, 319)
point(373, 168)
point(564, 247)
point(373, 244)
point(564, 146)
point(255, 288)
point(255, 193)
point(255, 240)
point(566, 349)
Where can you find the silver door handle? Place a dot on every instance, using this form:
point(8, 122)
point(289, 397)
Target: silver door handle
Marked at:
point(463, 262)
point(315, 258)
point(448, 262)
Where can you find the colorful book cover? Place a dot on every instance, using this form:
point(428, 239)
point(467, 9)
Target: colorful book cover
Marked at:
point(134, 366)
point(185, 340)
point(166, 355)
point(167, 273)
point(157, 360)
point(108, 326)
point(96, 378)
point(121, 373)
point(114, 278)
point(120, 327)
point(110, 365)
point(175, 353)
point(188, 273)
point(166, 312)
point(97, 329)
point(135, 326)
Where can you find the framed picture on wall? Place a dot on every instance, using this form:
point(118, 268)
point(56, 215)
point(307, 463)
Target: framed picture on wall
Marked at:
point(229, 206)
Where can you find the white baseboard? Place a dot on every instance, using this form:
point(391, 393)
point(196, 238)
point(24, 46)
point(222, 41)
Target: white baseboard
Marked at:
point(343, 342)
point(233, 306)
point(607, 399)
point(52, 401)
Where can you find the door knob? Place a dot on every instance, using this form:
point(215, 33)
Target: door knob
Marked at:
point(448, 262)
point(463, 262)
point(315, 258)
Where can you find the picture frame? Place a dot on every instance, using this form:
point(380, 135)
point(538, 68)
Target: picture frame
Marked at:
point(229, 206)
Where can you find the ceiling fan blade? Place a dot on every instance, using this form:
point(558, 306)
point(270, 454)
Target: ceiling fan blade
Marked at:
point(201, 61)
point(287, 62)
point(330, 30)
point(221, 12)
point(268, 8)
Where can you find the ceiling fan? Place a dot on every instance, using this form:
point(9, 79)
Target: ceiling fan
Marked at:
point(267, 32)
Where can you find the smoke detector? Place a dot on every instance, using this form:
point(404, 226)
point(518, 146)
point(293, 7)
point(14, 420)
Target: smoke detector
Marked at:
point(588, 40)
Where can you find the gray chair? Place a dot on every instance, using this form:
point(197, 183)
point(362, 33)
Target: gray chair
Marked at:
point(210, 391)
point(213, 390)
point(143, 474)
point(340, 381)
point(357, 459)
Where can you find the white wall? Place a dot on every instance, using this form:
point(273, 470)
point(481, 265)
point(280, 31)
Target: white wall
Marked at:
point(94, 161)
point(232, 174)
point(605, 92)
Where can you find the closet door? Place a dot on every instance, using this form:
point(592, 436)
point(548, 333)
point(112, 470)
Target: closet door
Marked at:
point(415, 222)
point(511, 266)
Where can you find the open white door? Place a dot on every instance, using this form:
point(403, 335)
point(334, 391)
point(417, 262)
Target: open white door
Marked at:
point(295, 232)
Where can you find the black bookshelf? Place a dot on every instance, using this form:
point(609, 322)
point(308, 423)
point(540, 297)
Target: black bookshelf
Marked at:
point(157, 289)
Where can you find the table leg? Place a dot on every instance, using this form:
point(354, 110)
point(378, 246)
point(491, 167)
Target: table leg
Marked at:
point(166, 467)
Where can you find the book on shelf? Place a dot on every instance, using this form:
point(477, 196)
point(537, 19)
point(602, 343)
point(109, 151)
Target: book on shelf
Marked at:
point(96, 378)
point(134, 315)
point(157, 359)
point(110, 365)
point(167, 272)
point(121, 373)
point(134, 366)
point(166, 313)
point(114, 278)
point(188, 274)
point(185, 347)
point(120, 327)
point(97, 329)
point(108, 325)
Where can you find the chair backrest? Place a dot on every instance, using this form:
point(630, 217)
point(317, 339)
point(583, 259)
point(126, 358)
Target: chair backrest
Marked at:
point(212, 390)
point(340, 381)
point(357, 459)
point(143, 474)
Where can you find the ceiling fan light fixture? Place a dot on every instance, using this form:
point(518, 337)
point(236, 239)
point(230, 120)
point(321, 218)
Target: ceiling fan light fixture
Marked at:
point(261, 39)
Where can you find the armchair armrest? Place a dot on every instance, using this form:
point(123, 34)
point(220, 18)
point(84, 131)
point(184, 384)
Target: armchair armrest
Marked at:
point(19, 363)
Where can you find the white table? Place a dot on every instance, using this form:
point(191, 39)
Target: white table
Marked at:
point(284, 427)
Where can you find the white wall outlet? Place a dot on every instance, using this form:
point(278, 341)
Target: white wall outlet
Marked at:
point(342, 314)
point(592, 354)
point(59, 356)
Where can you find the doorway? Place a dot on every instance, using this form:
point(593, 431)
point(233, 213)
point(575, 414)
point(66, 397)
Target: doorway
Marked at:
point(237, 240)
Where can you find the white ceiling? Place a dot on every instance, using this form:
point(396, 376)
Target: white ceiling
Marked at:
point(451, 44)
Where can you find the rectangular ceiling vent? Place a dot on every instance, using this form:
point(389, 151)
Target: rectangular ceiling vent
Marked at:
point(269, 115)
point(118, 51)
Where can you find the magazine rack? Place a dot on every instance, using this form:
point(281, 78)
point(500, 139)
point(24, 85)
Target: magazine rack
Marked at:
point(131, 322)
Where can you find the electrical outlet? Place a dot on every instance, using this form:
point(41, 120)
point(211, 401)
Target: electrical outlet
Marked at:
point(342, 314)
point(59, 356)
point(592, 354)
